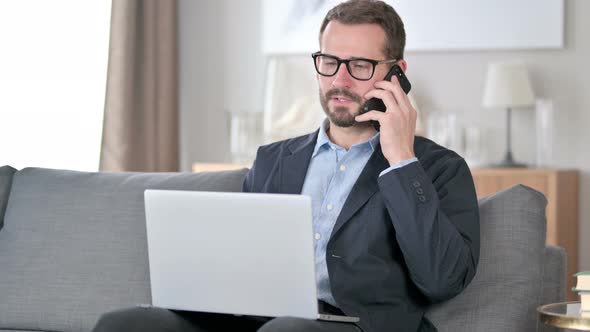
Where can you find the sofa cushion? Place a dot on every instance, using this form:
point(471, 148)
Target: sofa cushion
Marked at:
point(506, 289)
point(6, 173)
point(74, 244)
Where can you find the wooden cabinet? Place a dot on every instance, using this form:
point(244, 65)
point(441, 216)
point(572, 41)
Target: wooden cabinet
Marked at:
point(216, 167)
point(561, 189)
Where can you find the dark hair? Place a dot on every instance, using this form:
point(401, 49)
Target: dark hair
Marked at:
point(371, 11)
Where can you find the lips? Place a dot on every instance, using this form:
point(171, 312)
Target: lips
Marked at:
point(342, 99)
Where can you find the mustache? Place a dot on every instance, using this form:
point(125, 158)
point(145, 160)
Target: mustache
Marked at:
point(345, 93)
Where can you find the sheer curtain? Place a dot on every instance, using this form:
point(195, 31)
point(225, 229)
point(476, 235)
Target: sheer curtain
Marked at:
point(53, 65)
point(140, 131)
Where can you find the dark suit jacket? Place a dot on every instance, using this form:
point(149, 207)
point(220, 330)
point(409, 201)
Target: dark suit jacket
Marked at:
point(402, 241)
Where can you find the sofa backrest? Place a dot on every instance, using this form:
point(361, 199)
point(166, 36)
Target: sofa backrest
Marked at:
point(74, 244)
point(508, 285)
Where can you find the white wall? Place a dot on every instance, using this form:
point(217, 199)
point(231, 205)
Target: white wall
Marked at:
point(216, 33)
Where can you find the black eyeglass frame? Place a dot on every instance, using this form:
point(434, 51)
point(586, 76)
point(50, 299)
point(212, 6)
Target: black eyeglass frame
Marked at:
point(347, 63)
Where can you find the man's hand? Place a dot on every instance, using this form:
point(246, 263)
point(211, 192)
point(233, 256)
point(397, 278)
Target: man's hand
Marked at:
point(398, 122)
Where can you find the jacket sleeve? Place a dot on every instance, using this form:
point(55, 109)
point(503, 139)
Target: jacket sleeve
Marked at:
point(436, 219)
point(248, 184)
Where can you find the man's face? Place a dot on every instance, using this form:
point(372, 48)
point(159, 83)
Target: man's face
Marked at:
point(341, 95)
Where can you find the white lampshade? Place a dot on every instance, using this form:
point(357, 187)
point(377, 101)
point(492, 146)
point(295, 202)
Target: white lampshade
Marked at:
point(507, 85)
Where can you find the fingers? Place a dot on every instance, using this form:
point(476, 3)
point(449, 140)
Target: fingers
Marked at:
point(397, 118)
point(400, 97)
point(387, 97)
point(372, 115)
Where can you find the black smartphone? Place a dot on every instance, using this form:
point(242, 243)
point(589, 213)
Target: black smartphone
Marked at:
point(376, 104)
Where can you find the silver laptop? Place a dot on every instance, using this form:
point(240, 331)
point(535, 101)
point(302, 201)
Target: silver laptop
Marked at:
point(233, 253)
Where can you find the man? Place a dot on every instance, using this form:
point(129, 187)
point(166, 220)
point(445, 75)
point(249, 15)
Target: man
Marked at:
point(395, 216)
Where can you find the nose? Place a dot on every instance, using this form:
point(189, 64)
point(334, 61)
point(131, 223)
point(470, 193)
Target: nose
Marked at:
point(342, 79)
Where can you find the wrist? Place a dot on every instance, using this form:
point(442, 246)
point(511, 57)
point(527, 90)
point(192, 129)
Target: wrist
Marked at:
point(400, 157)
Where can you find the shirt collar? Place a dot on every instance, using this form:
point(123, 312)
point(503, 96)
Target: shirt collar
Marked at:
point(324, 141)
point(373, 141)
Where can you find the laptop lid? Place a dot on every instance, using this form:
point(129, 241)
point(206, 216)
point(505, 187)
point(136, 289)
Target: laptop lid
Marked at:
point(235, 253)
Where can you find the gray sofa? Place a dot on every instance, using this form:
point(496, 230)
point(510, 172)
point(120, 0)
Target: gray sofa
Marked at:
point(73, 246)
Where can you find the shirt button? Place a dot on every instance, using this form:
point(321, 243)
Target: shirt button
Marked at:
point(318, 236)
point(330, 206)
point(342, 168)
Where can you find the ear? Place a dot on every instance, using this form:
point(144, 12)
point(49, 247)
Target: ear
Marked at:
point(403, 65)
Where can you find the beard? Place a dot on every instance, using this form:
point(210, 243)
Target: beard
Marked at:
point(341, 116)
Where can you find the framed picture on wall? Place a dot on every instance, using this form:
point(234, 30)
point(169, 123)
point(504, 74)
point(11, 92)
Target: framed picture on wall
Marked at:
point(292, 26)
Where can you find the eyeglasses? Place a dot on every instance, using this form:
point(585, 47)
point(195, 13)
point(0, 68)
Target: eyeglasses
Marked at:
point(359, 68)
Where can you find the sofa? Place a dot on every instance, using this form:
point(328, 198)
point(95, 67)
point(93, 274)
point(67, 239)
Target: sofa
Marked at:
point(73, 246)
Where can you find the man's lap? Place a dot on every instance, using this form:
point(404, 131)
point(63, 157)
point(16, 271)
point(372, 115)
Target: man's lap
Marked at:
point(292, 324)
point(161, 320)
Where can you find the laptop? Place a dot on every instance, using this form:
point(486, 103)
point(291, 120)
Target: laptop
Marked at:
point(233, 253)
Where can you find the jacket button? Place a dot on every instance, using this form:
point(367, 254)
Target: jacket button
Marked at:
point(416, 184)
point(419, 191)
point(422, 199)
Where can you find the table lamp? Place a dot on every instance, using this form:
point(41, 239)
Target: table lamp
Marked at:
point(508, 86)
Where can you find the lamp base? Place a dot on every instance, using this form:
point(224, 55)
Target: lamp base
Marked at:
point(508, 162)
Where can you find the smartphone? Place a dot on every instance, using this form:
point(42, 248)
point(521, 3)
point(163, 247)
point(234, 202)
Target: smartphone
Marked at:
point(376, 104)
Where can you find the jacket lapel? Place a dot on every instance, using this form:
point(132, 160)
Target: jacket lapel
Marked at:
point(365, 186)
point(293, 166)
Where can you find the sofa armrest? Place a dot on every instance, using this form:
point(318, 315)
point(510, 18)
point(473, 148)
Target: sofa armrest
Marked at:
point(6, 175)
point(553, 286)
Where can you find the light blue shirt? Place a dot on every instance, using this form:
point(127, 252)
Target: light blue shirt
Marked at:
point(330, 176)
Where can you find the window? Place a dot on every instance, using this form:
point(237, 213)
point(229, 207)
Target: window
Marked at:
point(53, 66)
